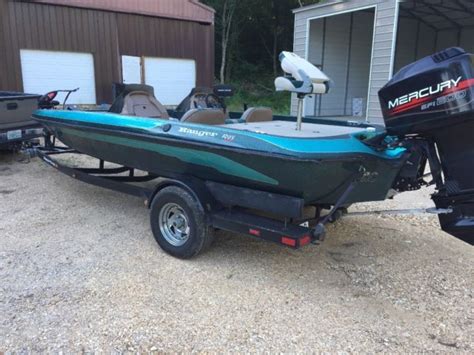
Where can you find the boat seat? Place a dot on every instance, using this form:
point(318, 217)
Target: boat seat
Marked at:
point(204, 116)
point(257, 114)
point(142, 104)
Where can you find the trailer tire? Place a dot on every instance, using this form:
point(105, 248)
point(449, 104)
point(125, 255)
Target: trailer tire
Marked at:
point(179, 224)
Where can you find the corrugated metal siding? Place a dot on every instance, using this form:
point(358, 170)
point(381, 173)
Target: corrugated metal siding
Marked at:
point(347, 63)
point(107, 35)
point(3, 73)
point(467, 41)
point(149, 37)
point(406, 46)
point(426, 41)
point(446, 39)
point(359, 66)
point(57, 28)
point(383, 42)
point(335, 63)
point(315, 56)
point(315, 48)
point(179, 9)
point(416, 40)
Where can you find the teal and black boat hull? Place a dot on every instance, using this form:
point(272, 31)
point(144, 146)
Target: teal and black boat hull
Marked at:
point(316, 170)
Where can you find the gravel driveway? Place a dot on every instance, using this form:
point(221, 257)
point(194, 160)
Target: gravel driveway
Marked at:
point(80, 271)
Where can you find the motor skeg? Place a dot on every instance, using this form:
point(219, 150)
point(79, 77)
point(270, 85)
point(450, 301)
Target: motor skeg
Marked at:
point(431, 102)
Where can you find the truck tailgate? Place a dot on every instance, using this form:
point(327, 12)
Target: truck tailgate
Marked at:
point(16, 109)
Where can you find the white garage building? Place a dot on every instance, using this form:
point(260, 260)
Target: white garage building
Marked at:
point(360, 44)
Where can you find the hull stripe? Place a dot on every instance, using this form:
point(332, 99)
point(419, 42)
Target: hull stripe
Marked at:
point(207, 159)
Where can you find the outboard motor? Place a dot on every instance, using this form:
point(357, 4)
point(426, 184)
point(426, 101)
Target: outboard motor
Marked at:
point(430, 106)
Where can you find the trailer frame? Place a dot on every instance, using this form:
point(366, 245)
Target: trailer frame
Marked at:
point(249, 218)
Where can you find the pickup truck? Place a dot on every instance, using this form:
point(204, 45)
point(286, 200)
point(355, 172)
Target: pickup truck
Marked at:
point(16, 124)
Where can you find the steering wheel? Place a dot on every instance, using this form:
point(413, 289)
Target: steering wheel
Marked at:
point(213, 101)
point(199, 101)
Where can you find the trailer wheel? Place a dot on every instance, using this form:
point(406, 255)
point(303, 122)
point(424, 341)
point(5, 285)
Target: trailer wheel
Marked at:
point(179, 223)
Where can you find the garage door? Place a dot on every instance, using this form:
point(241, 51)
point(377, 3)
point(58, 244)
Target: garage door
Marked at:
point(172, 79)
point(45, 71)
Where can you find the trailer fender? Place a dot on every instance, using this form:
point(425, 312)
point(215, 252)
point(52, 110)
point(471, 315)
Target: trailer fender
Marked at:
point(197, 188)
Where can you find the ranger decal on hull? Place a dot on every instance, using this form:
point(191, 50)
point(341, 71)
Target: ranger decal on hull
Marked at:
point(197, 132)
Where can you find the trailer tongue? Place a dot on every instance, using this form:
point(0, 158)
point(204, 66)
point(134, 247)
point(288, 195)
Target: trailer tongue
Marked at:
point(429, 105)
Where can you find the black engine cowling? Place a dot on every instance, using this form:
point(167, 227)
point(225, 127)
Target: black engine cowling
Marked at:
point(431, 102)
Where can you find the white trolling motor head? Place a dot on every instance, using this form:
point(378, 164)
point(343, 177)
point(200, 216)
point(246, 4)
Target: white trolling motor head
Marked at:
point(304, 78)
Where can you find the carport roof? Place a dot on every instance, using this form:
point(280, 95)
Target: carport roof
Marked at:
point(437, 14)
point(191, 10)
point(440, 14)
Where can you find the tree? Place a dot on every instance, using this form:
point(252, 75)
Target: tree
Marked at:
point(252, 33)
point(226, 20)
point(276, 11)
point(229, 13)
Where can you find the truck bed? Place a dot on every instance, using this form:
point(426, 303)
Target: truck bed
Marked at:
point(16, 124)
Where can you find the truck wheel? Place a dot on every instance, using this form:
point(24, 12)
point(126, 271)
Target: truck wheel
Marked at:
point(179, 223)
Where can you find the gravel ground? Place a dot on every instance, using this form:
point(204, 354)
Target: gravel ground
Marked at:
point(80, 271)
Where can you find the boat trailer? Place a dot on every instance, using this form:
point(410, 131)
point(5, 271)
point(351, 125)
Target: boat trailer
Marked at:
point(225, 207)
point(268, 216)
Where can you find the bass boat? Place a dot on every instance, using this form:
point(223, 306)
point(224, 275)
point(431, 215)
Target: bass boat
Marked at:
point(428, 110)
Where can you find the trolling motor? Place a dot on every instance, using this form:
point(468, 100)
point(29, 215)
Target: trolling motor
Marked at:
point(303, 79)
point(429, 106)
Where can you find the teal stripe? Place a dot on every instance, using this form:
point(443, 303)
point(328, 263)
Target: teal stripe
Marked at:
point(211, 160)
point(105, 118)
point(342, 145)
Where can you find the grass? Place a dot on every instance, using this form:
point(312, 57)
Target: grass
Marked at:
point(256, 90)
point(278, 102)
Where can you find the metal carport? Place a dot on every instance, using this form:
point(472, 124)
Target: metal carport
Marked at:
point(361, 43)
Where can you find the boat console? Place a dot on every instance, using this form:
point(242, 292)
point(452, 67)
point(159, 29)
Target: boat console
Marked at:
point(206, 98)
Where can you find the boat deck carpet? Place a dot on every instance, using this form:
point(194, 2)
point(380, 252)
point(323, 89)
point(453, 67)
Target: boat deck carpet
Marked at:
point(288, 129)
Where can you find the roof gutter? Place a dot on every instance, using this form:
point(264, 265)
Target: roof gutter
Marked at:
point(209, 21)
point(204, 6)
point(318, 5)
